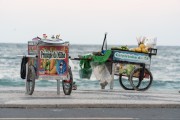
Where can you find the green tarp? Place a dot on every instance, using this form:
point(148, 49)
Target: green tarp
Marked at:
point(86, 70)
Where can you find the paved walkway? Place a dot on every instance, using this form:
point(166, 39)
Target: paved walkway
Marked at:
point(89, 99)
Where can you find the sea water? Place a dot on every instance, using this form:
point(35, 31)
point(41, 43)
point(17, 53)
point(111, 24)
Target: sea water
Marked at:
point(165, 67)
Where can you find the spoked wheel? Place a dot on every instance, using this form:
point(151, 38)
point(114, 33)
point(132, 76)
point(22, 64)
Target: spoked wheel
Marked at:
point(30, 81)
point(125, 83)
point(67, 84)
point(145, 81)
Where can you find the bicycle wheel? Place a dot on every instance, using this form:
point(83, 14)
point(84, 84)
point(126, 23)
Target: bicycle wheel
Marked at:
point(67, 84)
point(125, 83)
point(145, 82)
point(30, 81)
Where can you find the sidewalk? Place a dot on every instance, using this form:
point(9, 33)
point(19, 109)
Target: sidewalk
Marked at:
point(89, 99)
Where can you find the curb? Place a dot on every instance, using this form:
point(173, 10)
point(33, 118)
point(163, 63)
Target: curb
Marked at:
point(90, 106)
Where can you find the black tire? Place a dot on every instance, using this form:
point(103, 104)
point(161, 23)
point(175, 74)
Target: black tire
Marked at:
point(67, 84)
point(145, 83)
point(30, 81)
point(125, 83)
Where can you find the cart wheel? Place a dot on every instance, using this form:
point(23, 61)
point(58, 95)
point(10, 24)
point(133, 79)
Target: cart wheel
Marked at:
point(145, 83)
point(67, 84)
point(125, 83)
point(30, 81)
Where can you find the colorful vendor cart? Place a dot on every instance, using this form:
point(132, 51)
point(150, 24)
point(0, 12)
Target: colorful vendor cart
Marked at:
point(133, 68)
point(47, 59)
point(131, 65)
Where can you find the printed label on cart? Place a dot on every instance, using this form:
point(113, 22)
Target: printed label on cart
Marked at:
point(45, 54)
point(32, 50)
point(131, 57)
point(53, 60)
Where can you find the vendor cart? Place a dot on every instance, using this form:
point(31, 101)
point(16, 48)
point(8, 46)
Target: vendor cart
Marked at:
point(47, 59)
point(132, 67)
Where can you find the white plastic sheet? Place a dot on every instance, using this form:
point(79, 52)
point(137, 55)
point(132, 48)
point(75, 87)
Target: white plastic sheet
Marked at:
point(101, 72)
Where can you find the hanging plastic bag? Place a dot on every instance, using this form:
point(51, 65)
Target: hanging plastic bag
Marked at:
point(86, 70)
point(150, 42)
point(101, 72)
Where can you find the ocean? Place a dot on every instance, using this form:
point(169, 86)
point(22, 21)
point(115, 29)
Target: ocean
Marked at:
point(165, 67)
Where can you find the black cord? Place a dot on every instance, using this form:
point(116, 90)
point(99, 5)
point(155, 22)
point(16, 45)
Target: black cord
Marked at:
point(23, 67)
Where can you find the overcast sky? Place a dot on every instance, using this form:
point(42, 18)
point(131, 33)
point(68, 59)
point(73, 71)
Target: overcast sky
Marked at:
point(86, 21)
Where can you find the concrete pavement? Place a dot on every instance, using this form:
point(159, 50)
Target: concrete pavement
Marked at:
point(89, 99)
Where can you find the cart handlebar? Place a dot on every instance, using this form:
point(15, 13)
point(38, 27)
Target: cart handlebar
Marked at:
point(29, 56)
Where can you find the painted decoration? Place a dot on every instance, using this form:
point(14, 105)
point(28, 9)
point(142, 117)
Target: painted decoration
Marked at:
point(53, 60)
point(119, 55)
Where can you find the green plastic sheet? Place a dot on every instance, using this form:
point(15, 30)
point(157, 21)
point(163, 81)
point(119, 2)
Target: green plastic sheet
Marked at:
point(86, 70)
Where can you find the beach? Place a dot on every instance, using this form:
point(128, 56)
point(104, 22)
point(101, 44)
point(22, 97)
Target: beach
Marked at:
point(164, 68)
point(59, 39)
point(164, 91)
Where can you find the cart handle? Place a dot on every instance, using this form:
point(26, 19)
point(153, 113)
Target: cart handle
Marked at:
point(80, 59)
point(104, 42)
point(29, 56)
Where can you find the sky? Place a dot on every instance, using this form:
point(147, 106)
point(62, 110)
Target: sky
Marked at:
point(86, 21)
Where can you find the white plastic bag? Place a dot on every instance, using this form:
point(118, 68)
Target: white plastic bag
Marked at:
point(150, 42)
point(101, 72)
